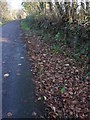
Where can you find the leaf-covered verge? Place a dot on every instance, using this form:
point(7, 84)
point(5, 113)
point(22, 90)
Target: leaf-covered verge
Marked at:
point(72, 38)
point(60, 61)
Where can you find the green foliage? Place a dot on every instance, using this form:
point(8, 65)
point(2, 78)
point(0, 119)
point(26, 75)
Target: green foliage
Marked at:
point(59, 49)
point(57, 36)
point(41, 5)
point(31, 7)
point(88, 74)
point(29, 22)
point(24, 25)
point(63, 90)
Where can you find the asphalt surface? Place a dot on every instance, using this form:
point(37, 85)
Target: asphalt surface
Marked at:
point(18, 99)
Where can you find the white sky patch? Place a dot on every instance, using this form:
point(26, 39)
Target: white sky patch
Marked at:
point(15, 4)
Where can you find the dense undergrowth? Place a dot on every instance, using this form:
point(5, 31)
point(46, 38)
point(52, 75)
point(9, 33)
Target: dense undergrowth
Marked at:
point(67, 38)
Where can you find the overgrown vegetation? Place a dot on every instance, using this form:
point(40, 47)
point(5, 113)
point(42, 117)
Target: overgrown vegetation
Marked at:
point(59, 32)
point(65, 28)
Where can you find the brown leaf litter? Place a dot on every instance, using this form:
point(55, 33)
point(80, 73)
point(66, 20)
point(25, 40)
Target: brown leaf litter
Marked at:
point(58, 81)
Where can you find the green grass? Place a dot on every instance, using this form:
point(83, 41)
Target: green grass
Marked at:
point(0, 23)
point(3, 22)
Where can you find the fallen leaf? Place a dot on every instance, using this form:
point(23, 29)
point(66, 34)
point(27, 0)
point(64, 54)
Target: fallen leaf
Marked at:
point(19, 64)
point(45, 98)
point(22, 57)
point(9, 114)
point(6, 75)
point(34, 114)
point(54, 109)
point(66, 65)
point(39, 98)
